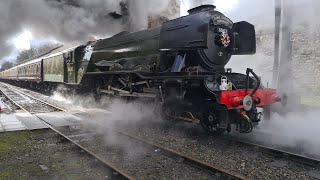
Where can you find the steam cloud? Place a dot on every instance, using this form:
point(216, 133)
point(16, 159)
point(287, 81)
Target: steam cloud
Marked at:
point(297, 129)
point(72, 20)
point(109, 112)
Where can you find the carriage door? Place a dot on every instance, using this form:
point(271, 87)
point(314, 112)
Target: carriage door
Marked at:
point(70, 67)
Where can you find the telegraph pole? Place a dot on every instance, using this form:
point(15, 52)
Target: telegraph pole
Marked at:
point(285, 75)
point(277, 21)
point(282, 67)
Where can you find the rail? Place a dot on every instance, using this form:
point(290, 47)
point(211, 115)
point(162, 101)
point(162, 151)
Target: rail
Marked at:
point(279, 153)
point(119, 173)
point(194, 162)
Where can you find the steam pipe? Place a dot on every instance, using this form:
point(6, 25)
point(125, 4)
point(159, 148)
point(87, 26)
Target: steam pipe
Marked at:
point(248, 120)
point(258, 81)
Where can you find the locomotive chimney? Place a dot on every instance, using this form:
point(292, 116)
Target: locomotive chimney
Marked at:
point(201, 8)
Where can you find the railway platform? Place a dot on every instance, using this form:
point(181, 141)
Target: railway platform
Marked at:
point(19, 120)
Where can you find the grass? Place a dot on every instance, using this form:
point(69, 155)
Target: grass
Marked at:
point(12, 140)
point(22, 153)
point(12, 144)
point(6, 175)
point(10, 170)
point(15, 145)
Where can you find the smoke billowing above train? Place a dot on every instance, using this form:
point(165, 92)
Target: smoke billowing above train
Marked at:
point(58, 19)
point(72, 20)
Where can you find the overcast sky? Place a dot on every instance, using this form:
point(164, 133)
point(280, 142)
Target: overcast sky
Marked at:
point(34, 21)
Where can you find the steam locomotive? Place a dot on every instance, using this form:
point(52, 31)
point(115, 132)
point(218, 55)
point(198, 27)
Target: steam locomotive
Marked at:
point(180, 64)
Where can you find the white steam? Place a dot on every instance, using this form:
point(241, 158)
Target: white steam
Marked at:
point(294, 131)
point(73, 20)
point(59, 97)
point(297, 129)
point(107, 111)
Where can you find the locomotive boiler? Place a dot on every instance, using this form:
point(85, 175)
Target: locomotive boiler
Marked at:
point(206, 38)
point(180, 65)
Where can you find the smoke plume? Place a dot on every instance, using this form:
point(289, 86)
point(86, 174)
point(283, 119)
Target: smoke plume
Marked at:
point(72, 20)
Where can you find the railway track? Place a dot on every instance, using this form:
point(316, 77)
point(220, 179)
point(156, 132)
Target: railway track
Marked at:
point(27, 102)
point(153, 152)
point(205, 166)
point(278, 153)
point(186, 159)
point(250, 154)
point(21, 99)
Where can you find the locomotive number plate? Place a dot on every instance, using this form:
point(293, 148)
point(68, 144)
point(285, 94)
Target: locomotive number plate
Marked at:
point(222, 30)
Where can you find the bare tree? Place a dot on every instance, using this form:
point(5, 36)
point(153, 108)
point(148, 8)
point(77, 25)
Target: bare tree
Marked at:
point(6, 65)
point(46, 48)
point(26, 54)
point(33, 52)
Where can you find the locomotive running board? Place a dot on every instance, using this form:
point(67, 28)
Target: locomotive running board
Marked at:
point(127, 94)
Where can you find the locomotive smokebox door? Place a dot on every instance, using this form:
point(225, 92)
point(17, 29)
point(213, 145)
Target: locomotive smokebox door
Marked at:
point(243, 39)
point(185, 33)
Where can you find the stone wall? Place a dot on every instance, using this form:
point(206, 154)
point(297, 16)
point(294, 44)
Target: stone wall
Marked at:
point(306, 57)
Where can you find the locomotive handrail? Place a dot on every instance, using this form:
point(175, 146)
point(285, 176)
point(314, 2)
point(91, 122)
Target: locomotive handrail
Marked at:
point(257, 78)
point(187, 75)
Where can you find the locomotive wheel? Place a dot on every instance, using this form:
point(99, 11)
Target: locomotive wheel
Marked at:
point(210, 121)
